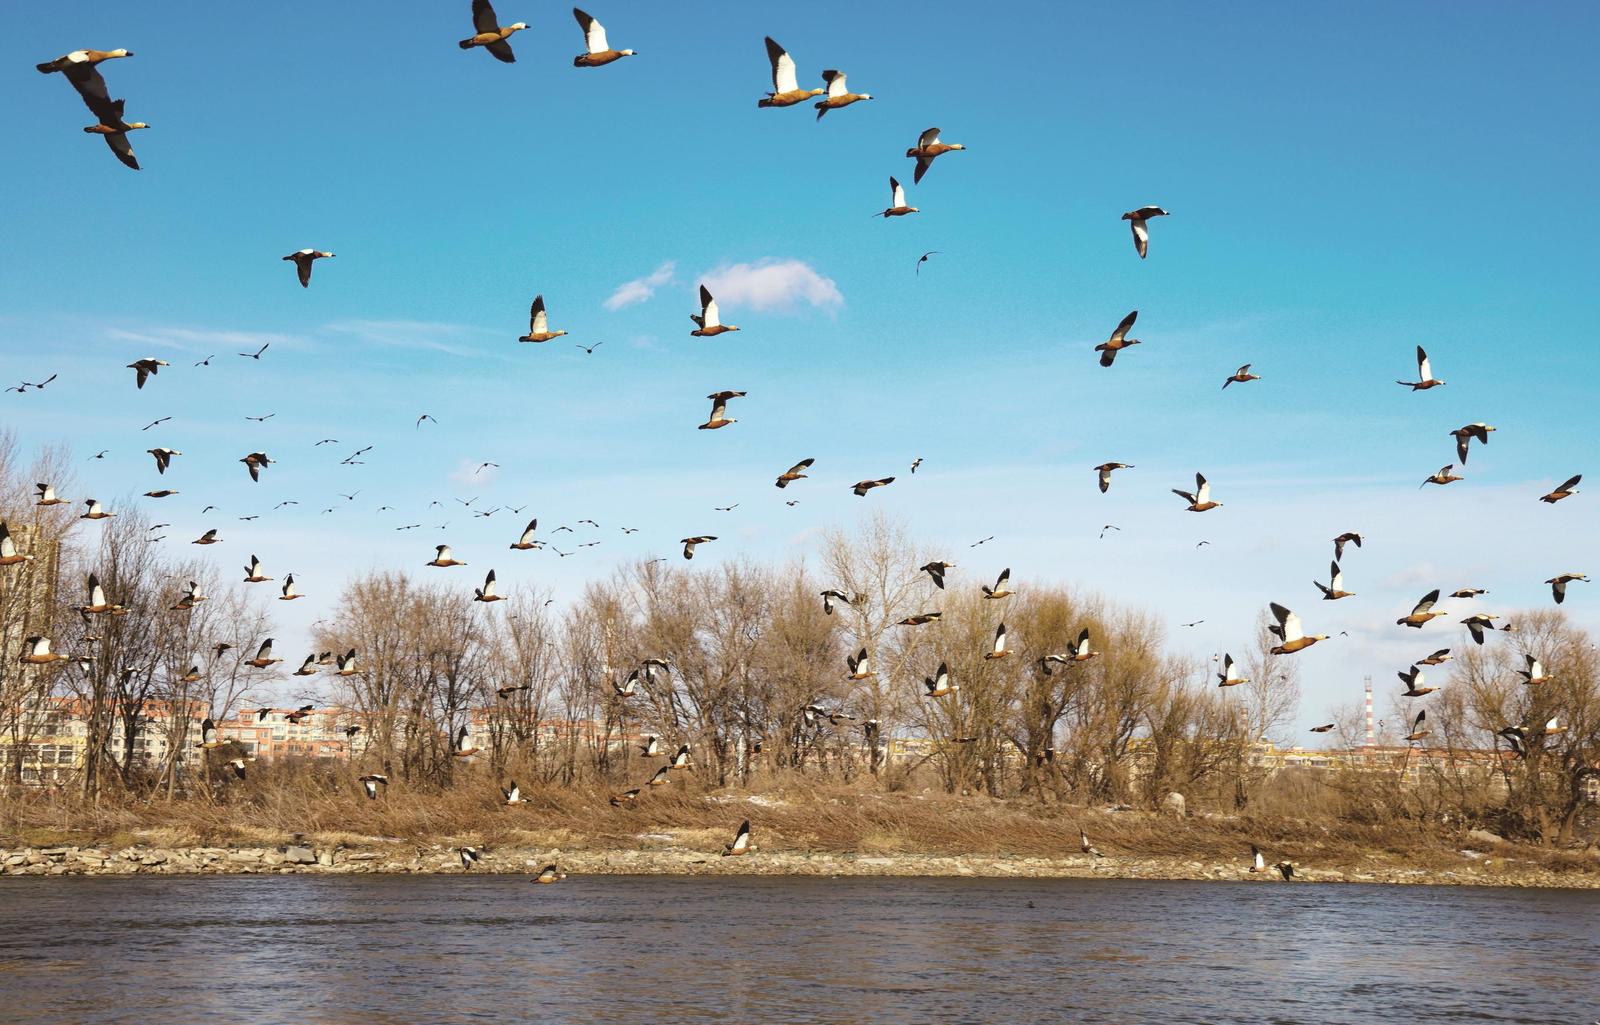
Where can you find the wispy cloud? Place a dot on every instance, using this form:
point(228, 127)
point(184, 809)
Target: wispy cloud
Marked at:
point(475, 473)
point(206, 341)
point(638, 290)
point(772, 284)
point(410, 334)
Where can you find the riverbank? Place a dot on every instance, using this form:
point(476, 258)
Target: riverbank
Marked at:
point(1494, 865)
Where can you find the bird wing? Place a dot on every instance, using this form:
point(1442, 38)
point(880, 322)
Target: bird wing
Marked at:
point(897, 193)
point(91, 86)
point(538, 323)
point(302, 268)
point(710, 316)
point(783, 72)
point(1122, 329)
point(118, 141)
point(1426, 603)
point(502, 52)
point(1203, 489)
point(594, 33)
point(1424, 368)
point(1141, 236)
point(1571, 483)
point(927, 138)
point(483, 16)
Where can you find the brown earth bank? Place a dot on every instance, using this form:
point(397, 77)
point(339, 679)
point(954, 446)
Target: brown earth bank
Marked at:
point(802, 832)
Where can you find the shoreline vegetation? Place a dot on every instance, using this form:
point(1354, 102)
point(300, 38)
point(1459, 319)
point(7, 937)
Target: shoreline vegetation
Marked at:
point(876, 709)
point(836, 831)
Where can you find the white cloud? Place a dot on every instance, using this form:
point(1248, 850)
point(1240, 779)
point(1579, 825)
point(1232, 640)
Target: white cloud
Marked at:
point(409, 334)
point(198, 340)
point(474, 473)
point(771, 284)
point(639, 289)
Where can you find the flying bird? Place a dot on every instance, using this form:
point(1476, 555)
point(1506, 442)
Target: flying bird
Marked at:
point(1477, 624)
point(539, 323)
point(999, 650)
point(81, 68)
point(1229, 676)
point(1415, 684)
point(257, 354)
point(486, 592)
point(1138, 220)
point(929, 147)
point(1464, 435)
point(1104, 471)
point(741, 842)
point(1290, 634)
point(786, 91)
point(924, 259)
point(794, 473)
point(1425, 378)
point(689, 543)
point(1348, 537)
point(1334, 589)
point(1200, 501)
point(861, 487)
point(1558, 584)
point(114, 129)
point(709, 320)
point(163, 457)
point(1240, 376)
point(1422, 612)
point(255, 462)
point(999, 589)
point(1566, 490)
point(1118, 341)
point(302, 260)
point(839, 95)
point(442, 558)
point(146, 368)
point(597, 51)
point(719, 410)
point(1445, 475)
point(897, 203)
point(487, 33)
point(1534, 675)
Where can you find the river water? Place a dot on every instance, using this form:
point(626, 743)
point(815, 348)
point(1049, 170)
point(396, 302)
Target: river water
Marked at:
point(383, 950)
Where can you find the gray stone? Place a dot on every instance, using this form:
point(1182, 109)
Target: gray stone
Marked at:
point(1484, 836)
point(300, 855)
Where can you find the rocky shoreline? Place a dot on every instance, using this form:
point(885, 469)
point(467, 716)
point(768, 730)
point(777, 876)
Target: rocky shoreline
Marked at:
point(1471, 868)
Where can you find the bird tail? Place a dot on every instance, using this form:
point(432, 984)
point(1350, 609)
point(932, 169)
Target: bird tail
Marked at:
point(466, 44)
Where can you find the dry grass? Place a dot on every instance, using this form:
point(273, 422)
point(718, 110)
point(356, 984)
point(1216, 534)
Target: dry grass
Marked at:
point(797, 816)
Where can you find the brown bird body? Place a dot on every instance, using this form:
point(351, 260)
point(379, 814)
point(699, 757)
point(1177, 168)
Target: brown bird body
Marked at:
point(1566, 490)
point(927, 148)
point(488, 33)
point(1118, 341)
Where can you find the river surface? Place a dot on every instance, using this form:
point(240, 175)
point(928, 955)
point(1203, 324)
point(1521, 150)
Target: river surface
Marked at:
point(383, 950)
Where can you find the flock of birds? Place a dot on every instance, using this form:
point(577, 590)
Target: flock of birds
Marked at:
point(81, 68)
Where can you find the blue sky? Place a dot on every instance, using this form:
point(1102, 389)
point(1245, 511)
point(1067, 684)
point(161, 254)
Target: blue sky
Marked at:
point(1344, 185)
